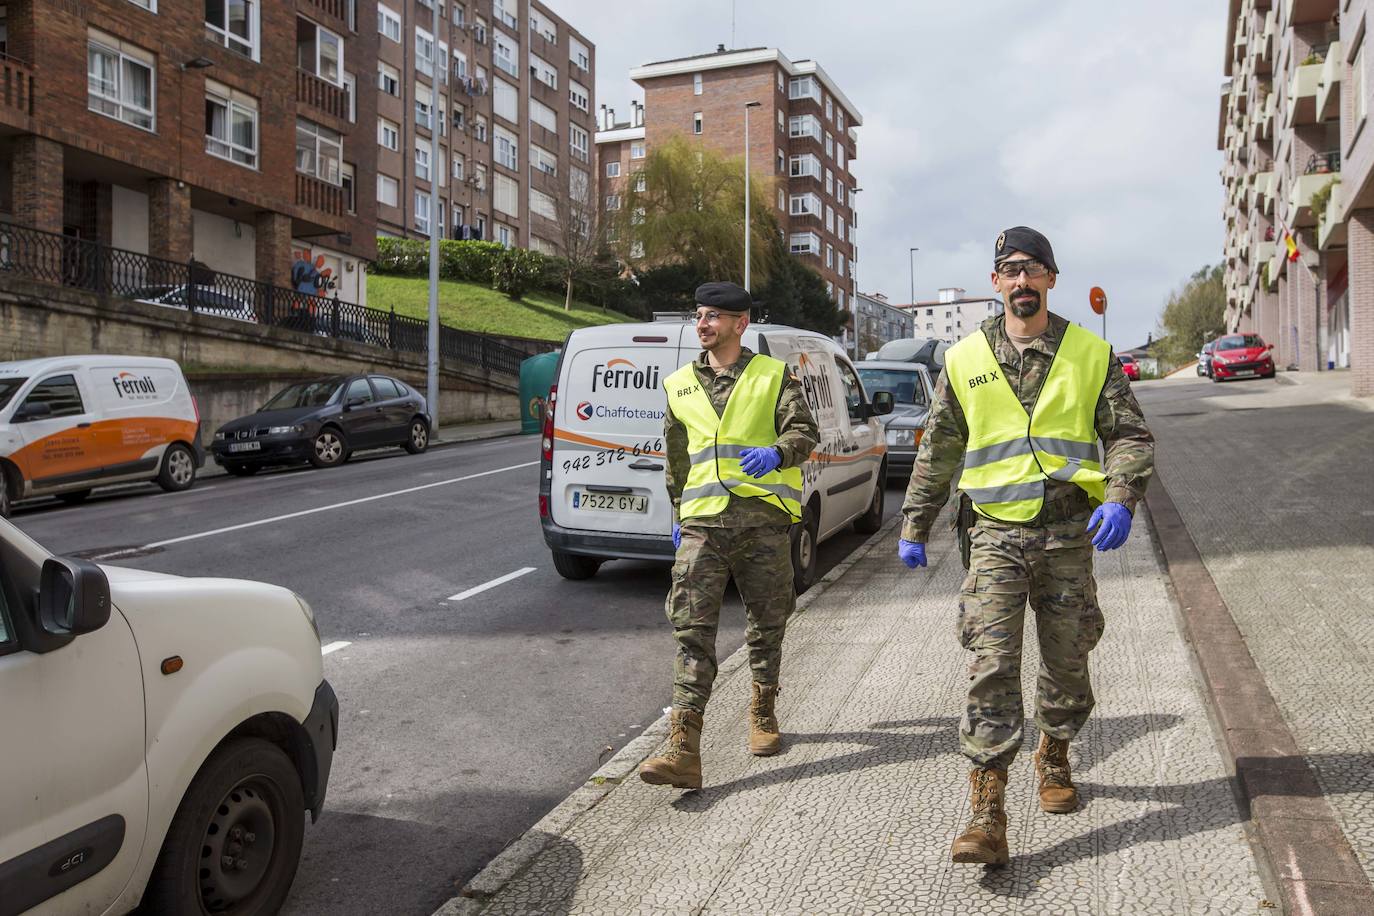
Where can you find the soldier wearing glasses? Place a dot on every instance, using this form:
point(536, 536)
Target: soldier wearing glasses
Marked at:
point(1022, 404)
point(737, 431)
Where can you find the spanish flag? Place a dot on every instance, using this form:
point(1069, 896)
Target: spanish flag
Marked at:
point(1292, 245)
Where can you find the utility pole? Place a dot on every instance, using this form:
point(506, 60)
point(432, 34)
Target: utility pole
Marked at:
point(432, 376)
point(748, 230)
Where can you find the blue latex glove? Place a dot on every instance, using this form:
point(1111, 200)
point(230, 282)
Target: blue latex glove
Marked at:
point(677, 535)
point(759, 461)
point(1113, 524)
point(911, 553)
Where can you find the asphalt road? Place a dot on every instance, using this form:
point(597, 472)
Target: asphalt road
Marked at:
point(462, 721)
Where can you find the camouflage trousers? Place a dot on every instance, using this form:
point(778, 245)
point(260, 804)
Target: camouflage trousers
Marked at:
point(1051, 568)
point(759, 558)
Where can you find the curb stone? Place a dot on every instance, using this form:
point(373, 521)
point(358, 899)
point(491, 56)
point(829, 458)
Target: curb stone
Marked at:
point(520, 854)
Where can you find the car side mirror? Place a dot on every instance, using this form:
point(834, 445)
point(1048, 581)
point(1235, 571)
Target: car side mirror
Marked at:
point(354, 402)
point(32, 410)
point(882, 403)
point(73, 597)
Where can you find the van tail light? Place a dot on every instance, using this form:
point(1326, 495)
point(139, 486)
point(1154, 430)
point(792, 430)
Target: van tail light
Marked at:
point(543, 506)
point(547, 434)
point(195, 405)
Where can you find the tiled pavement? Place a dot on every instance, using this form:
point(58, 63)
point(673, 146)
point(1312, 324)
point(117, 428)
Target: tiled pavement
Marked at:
point(857, 814)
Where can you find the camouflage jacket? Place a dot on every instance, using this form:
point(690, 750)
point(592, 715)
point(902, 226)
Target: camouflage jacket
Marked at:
point(797, 436)
point(1130, 449)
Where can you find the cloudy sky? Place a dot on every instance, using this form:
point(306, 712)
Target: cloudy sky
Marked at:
point(1093, 122)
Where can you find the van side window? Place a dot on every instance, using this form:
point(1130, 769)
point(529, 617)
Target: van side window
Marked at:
point(853, 394)
point(60, 393)
point(358, 388)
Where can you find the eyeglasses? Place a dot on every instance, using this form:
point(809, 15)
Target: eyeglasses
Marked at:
point(1010, 270)
point(712, 316)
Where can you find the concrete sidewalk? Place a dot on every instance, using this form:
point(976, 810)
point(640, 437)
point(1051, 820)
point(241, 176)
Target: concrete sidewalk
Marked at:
point(858, 813)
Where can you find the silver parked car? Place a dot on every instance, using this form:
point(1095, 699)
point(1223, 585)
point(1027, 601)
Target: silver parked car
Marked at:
point(912, 391)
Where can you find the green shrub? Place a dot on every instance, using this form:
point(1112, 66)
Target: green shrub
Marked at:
point(401, 256)
point(469, 260)
point(1322, 197)
point(516, 272)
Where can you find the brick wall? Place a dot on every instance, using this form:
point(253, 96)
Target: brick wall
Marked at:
point(1361, 250)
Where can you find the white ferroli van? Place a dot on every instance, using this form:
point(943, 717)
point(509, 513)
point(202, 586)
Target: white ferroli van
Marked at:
point(602, 494)
point(70, 423)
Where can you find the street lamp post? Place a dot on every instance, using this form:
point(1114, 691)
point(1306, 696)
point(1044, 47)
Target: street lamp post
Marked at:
point(854, 271)
point(911, 263)
point(432, 375)
point(747, 232)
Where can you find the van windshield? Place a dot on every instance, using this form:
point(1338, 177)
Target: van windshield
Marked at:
point(904, 384)
point(315, 393)
point(8, 387)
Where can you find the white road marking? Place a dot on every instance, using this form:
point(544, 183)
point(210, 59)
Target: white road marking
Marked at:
point(342, 505)
point(492, 584)
point(334, 647)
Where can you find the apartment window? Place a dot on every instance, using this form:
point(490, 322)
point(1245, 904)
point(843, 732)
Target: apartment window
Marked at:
point(481, 226)
point(829, 109)
point(440, 115)
point(636, 249)
point(543, 246)
point(442, 71)
point(424, 52)
point(543, 116)
point(482, 80)
point(830, 288)
point(612, 201)
point(543, 204)
point(543, 28)
point(349, 180)
point(804, 87)
point(830, 182)
point(119, 80)
point(459, 118)
point(422, 212)
point(460, 65)
point(829, 256)
point(386, 188)
point(579, 184)
point(479, 128)
point(388, 134)
point(579, 54)
point(543, 71)
point(804, 126)
point(840, 229)
point(506, 53)
point(804, 243)
point(231, 124)
point(840, 302)
point(543, 160)
point(804, 166)
point(781, 83)
point(459, 14)
point(505, 101)
point(319, 151)
point(389, 23)
point(580, 142)
point(505, 235)
point(234, 24)
point(4, 29)
point(149, 5)
point(805, 205)
point(696, 84)
point(839, 262)
point(578, 95)
point(637, 149)
point(480, 174)
point(350, 84)
point(640, 182)
point(830, 146)
point(839, 119)
point(458, 162)
point(504, 11)
point(696, 122)
point(479, 31)
point(423, 152)
point(782, 199)
point(505, 194)
point(782, 121)
point(319, 51)
point(829, 219)
point(507, 149)
point(424, 106)
point(782, 162)
point(613, 170)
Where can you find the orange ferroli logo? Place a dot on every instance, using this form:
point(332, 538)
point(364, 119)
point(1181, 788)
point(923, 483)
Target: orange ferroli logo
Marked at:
point(105, 443)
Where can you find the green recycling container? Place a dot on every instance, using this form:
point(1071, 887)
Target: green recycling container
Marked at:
point(537, 375)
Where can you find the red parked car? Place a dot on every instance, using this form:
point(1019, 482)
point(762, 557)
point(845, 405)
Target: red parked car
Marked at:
point(1129, 366)
point(1242, 356)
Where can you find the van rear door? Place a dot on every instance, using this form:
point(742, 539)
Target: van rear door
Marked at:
point(609, 456)
point(144, 405)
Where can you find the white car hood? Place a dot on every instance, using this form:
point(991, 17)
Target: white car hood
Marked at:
point(123, 575)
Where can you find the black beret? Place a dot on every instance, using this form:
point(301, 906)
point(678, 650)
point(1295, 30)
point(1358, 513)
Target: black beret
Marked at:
point(1027, 241)
point(724, 297)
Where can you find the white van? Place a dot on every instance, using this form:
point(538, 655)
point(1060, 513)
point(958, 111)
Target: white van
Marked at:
point(601, 491)
point(70, 423)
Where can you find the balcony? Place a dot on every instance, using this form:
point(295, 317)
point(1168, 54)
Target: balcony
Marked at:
point(1302, 95)
point(1267, 107)
point(1275, 270)
point(1299, 12)
point(321, 94)
point(544, 92)
point(1329, 93)
point(336, 8)
point(322, 196)
point(1264, 252)
point(542, 136)
point(1331, 226)
point(16, 88)
point(1300, 213)
point(1259, 189)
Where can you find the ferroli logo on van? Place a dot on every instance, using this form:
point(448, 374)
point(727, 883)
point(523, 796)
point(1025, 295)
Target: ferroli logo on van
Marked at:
point(131, 386)
point(612, 375)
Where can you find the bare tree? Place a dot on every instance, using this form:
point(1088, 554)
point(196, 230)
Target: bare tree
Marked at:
point(582, 232)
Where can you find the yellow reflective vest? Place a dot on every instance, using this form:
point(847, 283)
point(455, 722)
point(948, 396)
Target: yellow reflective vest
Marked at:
point(714, 443)
point(1010, 454)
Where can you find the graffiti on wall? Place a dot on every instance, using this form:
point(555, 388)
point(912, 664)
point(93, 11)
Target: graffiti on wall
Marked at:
point(309, 274)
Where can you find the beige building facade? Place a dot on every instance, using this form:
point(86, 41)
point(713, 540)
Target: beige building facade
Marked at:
point(1297, 169)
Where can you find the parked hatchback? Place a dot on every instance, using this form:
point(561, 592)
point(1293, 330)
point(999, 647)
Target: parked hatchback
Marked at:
point(1242, 356)
point(1204, 359)
point(323, 421)
point(1129, 366)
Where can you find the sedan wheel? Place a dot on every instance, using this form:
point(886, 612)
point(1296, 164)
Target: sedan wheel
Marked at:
point(419, 437)
point(328, 449)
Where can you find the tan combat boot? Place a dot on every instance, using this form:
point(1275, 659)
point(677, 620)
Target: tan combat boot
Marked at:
point(764, 738)
point(679, 765)
point(985, 840)
point(1057, 792)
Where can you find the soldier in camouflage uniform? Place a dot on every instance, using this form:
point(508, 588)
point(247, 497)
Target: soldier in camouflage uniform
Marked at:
point(749, 540)
point(1047, 562)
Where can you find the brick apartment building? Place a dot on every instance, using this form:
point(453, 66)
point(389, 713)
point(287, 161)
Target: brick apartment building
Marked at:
point(224, 131)
point(1298, 164)
point(951, 315)
point(498, 109)
point(802, 138)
